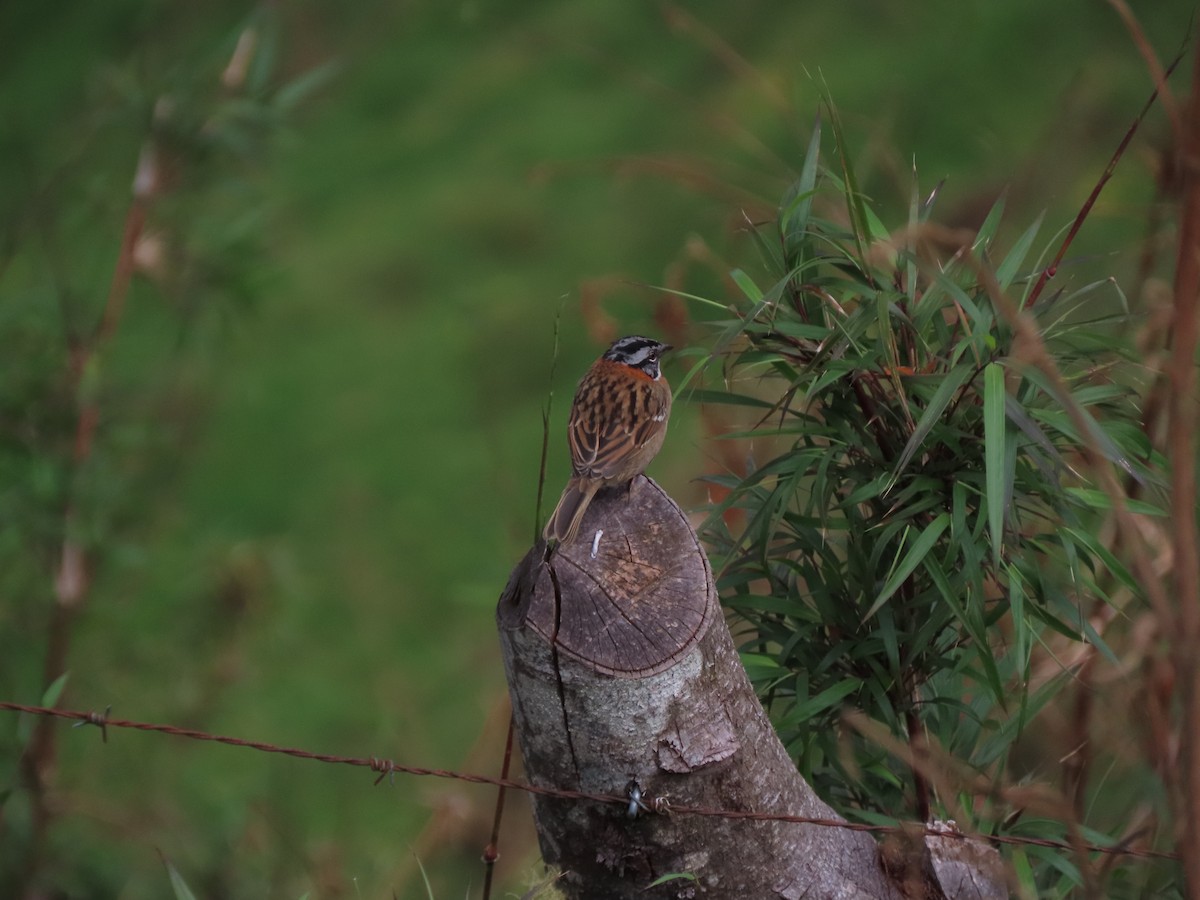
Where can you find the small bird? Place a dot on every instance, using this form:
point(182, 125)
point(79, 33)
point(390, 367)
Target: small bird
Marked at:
point(618, 422)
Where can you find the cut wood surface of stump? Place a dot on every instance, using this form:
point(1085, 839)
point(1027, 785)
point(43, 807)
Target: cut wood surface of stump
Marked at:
point(623, 672)
point(639, 603)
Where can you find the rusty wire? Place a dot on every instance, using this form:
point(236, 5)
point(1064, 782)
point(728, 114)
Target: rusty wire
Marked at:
point(387, 768)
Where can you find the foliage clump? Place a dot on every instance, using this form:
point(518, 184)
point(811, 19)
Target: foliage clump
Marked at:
point(917, 536)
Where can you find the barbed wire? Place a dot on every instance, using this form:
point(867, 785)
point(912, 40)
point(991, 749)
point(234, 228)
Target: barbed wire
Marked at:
point(387, 768)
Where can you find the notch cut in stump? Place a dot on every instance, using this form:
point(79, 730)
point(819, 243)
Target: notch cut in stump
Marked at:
point(622, 669)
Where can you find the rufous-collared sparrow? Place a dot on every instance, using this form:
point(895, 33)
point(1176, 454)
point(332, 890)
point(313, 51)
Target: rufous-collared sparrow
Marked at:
point(618, 422)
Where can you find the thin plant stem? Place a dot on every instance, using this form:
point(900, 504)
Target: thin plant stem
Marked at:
point(1181, 449)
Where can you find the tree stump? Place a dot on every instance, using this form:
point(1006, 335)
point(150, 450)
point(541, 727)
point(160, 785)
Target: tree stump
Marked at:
point(622, 669)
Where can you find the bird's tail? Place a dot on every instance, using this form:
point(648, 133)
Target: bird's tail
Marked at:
point(563, 523)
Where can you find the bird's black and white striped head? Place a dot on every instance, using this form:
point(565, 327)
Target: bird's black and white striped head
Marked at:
point(641, 353)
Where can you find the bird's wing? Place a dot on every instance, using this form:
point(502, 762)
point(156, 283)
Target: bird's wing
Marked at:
point(601, 445)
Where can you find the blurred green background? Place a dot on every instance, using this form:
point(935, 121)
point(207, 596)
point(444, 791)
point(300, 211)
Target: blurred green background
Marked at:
point(310, 483)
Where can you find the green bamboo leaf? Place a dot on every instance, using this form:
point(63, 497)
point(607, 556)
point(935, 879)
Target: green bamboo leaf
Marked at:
point(1094, 499)
point(25, 722)
point(933, 412)
point(801, 330)
point(868, 491)
point(1007, 270)
point(178, 886)
point(295, 92)
point(797, 205)
point(766, 665)
point(769, 249)
point(1009, 729)
point(672, 876)
point(970, 620)
point(746, 283)
point(827, 699)
point(994, 451)
point(728, 398)
point(1096, 548)
point(264, 64)
point(885, 628)
point(1093, 394)
point(980, 317)
point(54, 691)
point(1068, 307)
point(831, 375)
point(695, 298)
point(424, 876)
point(875, 227)
point(1027, 885)
point(854, 198)
point(991, 223)
point(882, 772)
point(1075, 626)
point(960, 529)
point(1018, 416)
point(910, 258)
point(1020, 624)
point(1059, 419)
point(916, 553)
point(699, 366)
point(931, 198)
point(781, 605)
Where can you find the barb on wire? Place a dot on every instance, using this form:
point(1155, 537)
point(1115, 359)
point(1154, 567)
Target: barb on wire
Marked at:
point(644, 802)
point(385, 767)
point(100, 720)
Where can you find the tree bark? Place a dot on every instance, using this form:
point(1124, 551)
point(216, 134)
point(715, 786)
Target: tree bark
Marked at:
point(622, 670)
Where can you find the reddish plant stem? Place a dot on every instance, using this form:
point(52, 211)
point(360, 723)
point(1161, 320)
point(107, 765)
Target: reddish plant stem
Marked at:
point(492, 852)
point(71, 581)
point(1085, 210)
point(916, 742)
point(1077, 766)
point(1138, 35)
point(1181, 448)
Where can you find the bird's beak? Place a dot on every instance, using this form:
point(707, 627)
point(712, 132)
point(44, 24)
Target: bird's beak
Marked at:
point(666, 348)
